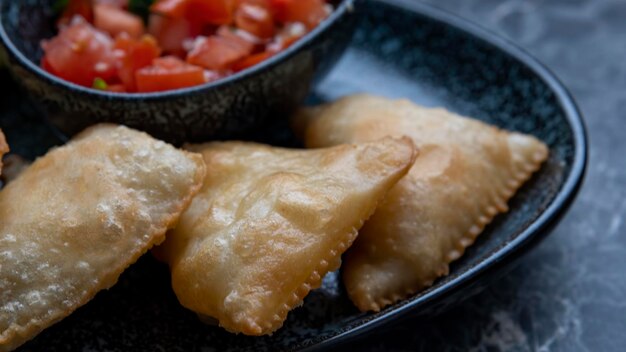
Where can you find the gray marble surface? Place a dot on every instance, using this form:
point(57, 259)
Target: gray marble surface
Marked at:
point(568, 293)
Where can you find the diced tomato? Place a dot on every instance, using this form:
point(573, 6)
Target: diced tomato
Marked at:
point(291, 33)
point(212, 76)
point(216, 12)
point(251, 61)
point(236, 37)
point(288, 40)
point(117, 88)
point(170, 8)
point(80, 53)
point(46, 66)
point(135, 54)
point(216, 37)
point(169, 62)
point(263, 3)
point(171, 33)
point(308, 12)
point(255, 19)
point(168, 73)
point(115, 21)
point(215, 53)
point(120, 4)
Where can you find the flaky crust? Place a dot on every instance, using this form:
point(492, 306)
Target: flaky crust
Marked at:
point(75, 219)
point(466, 173)
point(269, 223)
point(4, 148)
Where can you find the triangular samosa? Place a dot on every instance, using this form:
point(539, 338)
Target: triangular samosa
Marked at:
point(269, 223)
point(466, 173)
point(79, 216)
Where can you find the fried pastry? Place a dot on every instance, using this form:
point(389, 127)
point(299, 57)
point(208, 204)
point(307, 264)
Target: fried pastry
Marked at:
point(4, 148)
point(80, 215)
point(269, 223)
point(466, 173)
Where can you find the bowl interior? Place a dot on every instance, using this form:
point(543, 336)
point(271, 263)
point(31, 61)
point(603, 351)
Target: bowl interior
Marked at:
point(28, 22)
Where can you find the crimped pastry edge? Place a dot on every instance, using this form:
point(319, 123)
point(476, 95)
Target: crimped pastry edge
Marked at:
point(518, 176)
point(329, 264)
point(332, 262)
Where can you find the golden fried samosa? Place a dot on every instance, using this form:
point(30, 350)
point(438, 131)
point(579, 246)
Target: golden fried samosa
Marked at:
point(269, 223)
point(80, 215)
point(4, 148)
point(466, 173)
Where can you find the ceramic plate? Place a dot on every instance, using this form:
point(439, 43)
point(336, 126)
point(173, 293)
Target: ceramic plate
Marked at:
point(401, 49)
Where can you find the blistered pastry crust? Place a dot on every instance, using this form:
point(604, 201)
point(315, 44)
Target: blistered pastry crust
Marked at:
point(466, 173)
point(257, 327)
point(40, 177)
point(270, 223)
point(499, 205)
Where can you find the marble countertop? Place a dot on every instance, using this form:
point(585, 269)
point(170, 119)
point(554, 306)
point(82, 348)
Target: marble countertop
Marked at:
point(568, 293)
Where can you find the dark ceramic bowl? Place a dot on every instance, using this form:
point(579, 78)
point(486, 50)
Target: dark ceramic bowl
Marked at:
point(226, 108)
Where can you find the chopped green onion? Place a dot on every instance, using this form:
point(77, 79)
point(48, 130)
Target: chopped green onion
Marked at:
point(100, 84)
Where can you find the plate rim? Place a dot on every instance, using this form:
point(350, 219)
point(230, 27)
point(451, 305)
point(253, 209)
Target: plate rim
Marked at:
point(539, 228)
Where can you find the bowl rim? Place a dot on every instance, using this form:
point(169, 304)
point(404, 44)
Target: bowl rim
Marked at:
point(539, 228)
point(344, 7)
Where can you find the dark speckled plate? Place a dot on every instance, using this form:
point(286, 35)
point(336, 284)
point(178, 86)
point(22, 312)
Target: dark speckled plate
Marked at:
point(403, 49)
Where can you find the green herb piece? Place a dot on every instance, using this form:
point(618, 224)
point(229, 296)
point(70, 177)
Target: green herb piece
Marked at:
point(140, 8)
point(100, 84)
point(60, 5)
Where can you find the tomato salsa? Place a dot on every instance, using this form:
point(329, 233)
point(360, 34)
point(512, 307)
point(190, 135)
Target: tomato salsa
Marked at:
point(139, 46)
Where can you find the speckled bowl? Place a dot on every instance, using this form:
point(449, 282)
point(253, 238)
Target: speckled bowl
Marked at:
point(224, 109)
